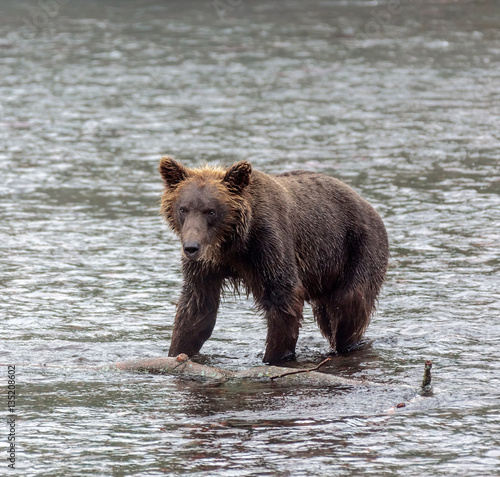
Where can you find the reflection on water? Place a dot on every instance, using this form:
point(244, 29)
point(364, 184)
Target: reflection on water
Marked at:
point(402, 104)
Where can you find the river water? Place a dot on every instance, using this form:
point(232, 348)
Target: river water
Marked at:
point(399, 100)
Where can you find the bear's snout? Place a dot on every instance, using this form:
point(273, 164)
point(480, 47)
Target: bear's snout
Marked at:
point(191, 250)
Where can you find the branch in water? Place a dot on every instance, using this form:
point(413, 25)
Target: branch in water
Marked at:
point(183, 366)
point(427, 374)
point(426, 388)
point(298, 371)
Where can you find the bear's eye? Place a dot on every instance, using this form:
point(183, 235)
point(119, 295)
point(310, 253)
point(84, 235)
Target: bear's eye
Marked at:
point(211, 213)
point(182, 210)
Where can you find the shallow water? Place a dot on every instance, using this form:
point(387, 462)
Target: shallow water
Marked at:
point(403, 104)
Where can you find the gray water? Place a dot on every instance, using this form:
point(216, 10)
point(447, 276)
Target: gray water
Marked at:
point(399, 100)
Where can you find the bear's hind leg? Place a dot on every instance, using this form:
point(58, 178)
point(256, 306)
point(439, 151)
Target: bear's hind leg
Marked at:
point(343, 317)
point(353, 318)
point(326, 321)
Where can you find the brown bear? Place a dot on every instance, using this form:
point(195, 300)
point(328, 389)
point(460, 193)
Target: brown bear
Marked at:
point(286, 238)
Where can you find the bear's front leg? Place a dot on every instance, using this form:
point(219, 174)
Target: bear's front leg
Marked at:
point(196, 315)
point(283, 312)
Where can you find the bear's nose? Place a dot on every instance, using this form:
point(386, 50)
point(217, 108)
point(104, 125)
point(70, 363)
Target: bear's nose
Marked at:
point(191, 248)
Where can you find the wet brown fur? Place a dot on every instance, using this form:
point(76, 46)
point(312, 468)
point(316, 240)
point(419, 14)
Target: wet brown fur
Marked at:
point(287, 238)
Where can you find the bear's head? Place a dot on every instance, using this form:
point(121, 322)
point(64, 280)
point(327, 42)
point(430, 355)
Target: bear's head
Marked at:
point(206, 207)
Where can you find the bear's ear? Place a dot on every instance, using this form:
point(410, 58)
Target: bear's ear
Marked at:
point(171, 171)
point(238, 176)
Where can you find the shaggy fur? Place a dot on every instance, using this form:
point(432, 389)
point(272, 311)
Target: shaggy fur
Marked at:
point(287, 238)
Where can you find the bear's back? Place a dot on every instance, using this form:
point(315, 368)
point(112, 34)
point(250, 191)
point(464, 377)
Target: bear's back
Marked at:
point(330, 223)
point(317, 191)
